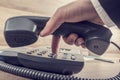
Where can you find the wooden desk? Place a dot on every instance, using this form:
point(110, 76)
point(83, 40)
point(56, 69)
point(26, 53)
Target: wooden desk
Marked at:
point(92, 69)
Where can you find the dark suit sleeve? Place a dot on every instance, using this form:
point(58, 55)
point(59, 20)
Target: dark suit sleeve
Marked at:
point(112, 7)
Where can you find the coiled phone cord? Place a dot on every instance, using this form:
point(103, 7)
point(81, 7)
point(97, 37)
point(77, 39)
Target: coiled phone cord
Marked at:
point(115, 45)
point(39, 75)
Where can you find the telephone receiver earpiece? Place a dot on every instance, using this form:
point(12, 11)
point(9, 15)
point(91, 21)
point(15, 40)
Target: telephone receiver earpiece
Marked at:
point(24, 30)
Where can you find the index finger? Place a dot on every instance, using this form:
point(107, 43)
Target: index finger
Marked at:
point(54, 22)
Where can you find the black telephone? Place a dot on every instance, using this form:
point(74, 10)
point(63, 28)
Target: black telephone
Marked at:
point(24, 30)
point(41, 64)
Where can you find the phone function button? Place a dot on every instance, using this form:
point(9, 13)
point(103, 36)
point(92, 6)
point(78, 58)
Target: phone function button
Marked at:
point(40, 54)
point(73, 57)
point(52, 55)
point(29, 53)
point(65, 56)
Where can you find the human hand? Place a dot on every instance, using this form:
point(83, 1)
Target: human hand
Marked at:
point(80, 10)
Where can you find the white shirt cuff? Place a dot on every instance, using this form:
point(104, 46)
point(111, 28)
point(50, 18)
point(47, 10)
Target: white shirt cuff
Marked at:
point(102, 14)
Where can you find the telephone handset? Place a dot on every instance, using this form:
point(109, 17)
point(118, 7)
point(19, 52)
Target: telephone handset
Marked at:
point(24, 30)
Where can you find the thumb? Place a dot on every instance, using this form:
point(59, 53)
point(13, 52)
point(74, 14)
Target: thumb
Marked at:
point(53, 23)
